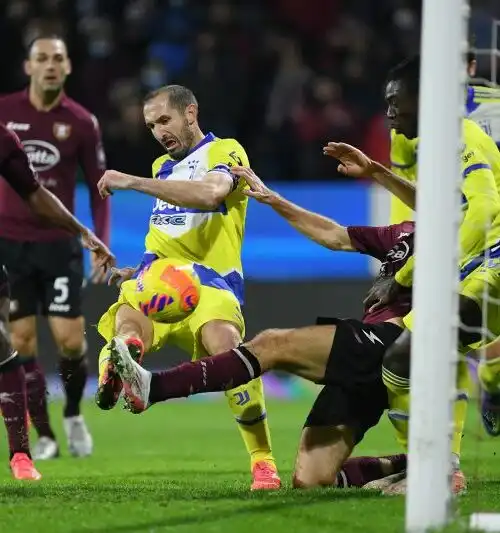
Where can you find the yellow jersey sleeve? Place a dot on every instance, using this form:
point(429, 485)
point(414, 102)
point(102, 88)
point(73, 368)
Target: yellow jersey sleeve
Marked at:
point(403, 163)
point(480, 205)
point(157, 163)
point(224, 154)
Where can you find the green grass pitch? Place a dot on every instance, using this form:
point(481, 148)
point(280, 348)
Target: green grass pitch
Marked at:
point(182, 467)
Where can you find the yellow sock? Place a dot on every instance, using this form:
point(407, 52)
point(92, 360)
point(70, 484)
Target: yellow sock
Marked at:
point(398, 390)
point(248, 406)
point(488, 372)
point(103, 359)
point(460, 407)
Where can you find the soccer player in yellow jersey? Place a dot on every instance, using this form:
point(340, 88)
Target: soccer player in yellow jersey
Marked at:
point(199, 217)
point(480, 203)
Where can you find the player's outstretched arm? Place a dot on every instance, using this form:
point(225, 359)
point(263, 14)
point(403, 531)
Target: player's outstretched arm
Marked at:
point(355, 163)
point(207, 194)
point(318, 228)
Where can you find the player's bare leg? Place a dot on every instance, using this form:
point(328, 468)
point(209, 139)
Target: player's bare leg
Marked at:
point(248, 406)
point(134, 333)
point(24, 340)
point(13, 401)
point(322, 452)
point(69, 335)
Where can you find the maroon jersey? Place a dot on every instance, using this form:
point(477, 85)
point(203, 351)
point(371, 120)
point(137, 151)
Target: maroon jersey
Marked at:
point(56, 142)
point(392, 245)
point(14, 165)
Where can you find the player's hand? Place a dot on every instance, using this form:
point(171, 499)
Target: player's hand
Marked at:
point(104, 259)
point(120, 275)
point(353, 162)
point(113, 180)
point(258, 189)
point(97, 274)
point(381, 294)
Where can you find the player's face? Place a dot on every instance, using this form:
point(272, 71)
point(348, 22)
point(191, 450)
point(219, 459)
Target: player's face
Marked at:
point(171, 128)
point(402, 109)
point(48, 64)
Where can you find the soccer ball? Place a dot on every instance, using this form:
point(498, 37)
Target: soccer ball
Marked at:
point(168, 290)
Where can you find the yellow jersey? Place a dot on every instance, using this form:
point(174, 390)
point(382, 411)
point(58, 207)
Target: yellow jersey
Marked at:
point(480, 191)
point(212, 240)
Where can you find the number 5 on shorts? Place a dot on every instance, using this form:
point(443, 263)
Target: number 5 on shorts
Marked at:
point(61, 285)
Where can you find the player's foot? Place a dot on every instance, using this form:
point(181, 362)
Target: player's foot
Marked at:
point(490, 413)
point(458, 485)
point(136, 380)
point(22, 467)
point(80, 443)
point(385, 482)
point(265, 476)
point(110, 384)
point(45, 448)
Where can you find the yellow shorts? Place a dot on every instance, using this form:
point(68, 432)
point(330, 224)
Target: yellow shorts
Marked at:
point(215, 304)
point(483, 286)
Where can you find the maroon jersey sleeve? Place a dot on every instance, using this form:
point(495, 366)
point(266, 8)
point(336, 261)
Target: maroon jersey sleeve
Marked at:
point(14, 164)
point(376, 241)
point(93, 163)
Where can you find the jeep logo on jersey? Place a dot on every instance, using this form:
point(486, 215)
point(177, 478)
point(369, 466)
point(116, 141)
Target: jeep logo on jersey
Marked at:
point(42, 155)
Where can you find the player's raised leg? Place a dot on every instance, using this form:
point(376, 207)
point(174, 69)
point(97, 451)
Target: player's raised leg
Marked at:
point(13, 401)
point(124, 328)
point(248, 406)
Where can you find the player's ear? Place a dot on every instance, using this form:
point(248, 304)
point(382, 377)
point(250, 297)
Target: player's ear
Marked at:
point(27, 67)
point(69, 67)
point(471, 68)
point(191, 113)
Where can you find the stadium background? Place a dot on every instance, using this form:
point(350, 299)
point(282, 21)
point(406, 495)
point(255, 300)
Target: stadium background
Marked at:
point(280, 78)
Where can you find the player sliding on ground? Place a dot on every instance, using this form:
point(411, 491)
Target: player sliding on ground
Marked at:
point(17, 172)
point(343, 354)
point(199, 217)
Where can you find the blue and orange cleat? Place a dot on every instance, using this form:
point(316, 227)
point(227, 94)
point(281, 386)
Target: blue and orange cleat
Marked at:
point(110, 384)
point(265, 476)
point(490, 413)
point(22, 468)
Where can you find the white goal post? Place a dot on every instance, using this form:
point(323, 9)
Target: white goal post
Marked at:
point(435, 295)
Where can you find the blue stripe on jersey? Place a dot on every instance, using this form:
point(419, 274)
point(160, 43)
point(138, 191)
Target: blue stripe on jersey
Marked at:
point(472, 168)
point(168, 165)
point(493, 252)
point(403, 167)
point(227, 170)
point(232, 282)
point(177, 210)
point(470, 104)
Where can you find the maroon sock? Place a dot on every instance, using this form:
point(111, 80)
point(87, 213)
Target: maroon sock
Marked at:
point(36, 390)
point(14, 405)
point(74, 377)
point(210, 374)
point(357, 471)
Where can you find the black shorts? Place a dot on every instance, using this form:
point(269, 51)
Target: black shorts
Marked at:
point(45, 277)
point(354, 394)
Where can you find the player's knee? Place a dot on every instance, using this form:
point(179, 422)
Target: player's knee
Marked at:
point(270, 346)
point(72, 346)
point(219, 336)
point(397, 356)
point(310, 479)
point(470, 317)
point(24, 341)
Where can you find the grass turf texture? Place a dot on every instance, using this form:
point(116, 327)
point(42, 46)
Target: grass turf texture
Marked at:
point(182, 467)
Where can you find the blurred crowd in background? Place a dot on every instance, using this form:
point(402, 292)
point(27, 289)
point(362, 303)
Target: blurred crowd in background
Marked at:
point(282, 76)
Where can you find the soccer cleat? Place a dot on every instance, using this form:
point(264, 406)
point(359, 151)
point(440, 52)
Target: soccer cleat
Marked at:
point(265, 476)
point(22, 468)
point(110, 385)
point(80, 443)
point(45, 448)
point(490, 413)
point(385, 482)
point(136, 380)
point(458, 485)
